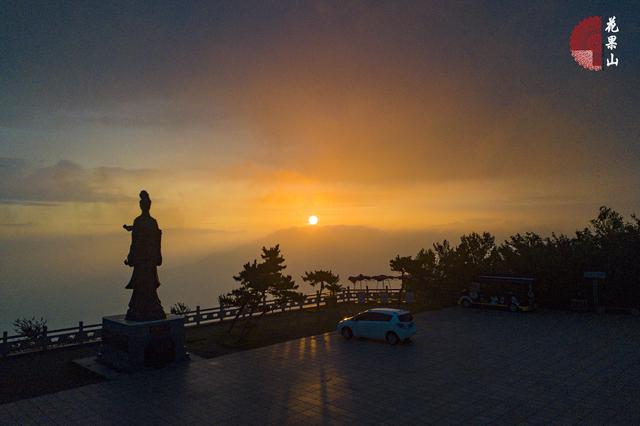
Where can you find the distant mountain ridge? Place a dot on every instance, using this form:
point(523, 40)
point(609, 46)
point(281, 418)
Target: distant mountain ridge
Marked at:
point(82, 278)
point(346, 250)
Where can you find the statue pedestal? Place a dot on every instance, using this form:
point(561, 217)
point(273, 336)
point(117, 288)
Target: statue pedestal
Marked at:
point(131, 346)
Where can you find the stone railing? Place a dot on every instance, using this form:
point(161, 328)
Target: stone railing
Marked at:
point(85, 334)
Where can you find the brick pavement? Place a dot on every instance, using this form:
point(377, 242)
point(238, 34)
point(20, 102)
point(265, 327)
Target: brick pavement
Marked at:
point(464, 367)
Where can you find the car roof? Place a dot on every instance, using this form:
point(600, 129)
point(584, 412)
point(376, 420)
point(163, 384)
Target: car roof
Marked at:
point(389, 311)
point(511, 279)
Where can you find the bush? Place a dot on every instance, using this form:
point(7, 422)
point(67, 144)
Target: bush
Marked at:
point(31, 328)
point(180, 308)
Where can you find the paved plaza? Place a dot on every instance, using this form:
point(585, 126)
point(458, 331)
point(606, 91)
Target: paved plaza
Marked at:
point(464, 367)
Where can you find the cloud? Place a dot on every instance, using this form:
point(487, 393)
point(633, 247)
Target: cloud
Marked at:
point(359, 101)
point(63, 182)
point(354, 92)
point(383, 113)
point(340, 124)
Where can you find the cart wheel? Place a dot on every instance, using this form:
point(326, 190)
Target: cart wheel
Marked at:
point(513, 307)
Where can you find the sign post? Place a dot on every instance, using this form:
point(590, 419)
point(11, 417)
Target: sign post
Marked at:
point(595, 276)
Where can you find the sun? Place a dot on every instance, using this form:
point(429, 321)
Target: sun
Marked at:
point(313, 220)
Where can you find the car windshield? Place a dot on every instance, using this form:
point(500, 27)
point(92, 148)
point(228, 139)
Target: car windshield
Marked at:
point(405, 318)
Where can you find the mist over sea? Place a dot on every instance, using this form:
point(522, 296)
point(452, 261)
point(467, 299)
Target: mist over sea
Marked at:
point(71, 279)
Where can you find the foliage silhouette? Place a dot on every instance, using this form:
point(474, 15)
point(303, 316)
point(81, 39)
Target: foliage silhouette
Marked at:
point(324, 279)
point(257, 281)
point(180, 308)
point(608, 244)
point(31, 328)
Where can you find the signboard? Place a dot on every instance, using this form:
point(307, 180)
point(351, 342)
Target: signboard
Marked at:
point(595, 275)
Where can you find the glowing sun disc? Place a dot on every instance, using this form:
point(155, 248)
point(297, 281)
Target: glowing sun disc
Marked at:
point(313, 220)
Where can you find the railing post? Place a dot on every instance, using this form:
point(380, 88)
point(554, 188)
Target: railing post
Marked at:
point(5, 344)
point(348, 294)
point(80, 335)
point(44, 338)
point(318, 299)
point(221, 315)
point(198, 315)
point(366, 294)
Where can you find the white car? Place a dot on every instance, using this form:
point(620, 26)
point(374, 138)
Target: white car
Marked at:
point(392, 325)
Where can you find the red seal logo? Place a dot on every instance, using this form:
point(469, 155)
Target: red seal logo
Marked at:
point(586, 43)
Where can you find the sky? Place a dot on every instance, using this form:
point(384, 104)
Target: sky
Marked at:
point(243, 118)
point(397, 123)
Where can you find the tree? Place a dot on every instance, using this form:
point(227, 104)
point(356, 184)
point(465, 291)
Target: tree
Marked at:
point(609, 244)
point(239, 298)
point(417, 272)
point(257, 281)
point(402, 264)
point(281, 287)
point(323, 279)
point(334, 285)
point(248, 295)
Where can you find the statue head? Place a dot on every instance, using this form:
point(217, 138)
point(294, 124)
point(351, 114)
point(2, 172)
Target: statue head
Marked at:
point(145, 201)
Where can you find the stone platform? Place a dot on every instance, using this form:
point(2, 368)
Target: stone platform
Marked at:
point(131, 346)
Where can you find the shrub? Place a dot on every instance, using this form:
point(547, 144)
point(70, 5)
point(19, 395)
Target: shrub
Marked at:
point(180, 308)
point(31, 328)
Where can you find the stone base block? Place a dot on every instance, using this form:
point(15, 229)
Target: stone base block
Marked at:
point(131, 346)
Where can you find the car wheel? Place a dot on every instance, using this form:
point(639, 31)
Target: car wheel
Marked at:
point(513, 307)
point(346, 333)
point(466, 303)
point(392, 338)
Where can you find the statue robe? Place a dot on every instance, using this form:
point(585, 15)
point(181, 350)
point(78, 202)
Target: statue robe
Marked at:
point(145, 256)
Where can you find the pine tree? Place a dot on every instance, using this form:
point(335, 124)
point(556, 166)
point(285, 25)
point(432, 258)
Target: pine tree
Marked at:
point(257, 281)
point(323, 279)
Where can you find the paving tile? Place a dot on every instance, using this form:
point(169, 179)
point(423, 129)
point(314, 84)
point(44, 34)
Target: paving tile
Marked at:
point(465, 366)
